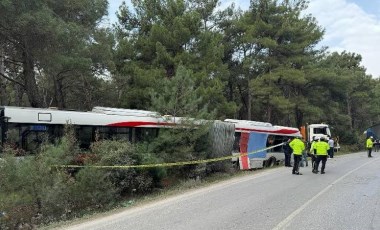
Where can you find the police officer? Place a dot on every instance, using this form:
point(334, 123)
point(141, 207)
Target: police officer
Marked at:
point(369, 145)
point(298, 147)
point(321, 147)
point(288, 153)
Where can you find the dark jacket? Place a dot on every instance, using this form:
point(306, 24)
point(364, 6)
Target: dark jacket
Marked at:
point(287, 148)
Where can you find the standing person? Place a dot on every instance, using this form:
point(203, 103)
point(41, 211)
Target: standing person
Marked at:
point(288, 153)
point(312, 152)
point(321, 148)
point(369, 145)
point(304, 161)
point(331, 144)
point(298, 147)
point(376, 145)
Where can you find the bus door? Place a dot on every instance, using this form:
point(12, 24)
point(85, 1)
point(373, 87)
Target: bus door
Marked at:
point(257, 141)
point(250, 146)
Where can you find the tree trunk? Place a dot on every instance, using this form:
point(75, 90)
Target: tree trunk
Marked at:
point(269, 113)
point(3, 96)
point(249, 102)
point(31, 87)
point(299, 117)
point(19, 94)
point(58, 93)
point(349, 113)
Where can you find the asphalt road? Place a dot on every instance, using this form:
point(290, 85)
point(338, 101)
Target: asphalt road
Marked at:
point(346, 197)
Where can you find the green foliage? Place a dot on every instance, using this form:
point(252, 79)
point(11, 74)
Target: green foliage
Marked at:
point(184, 58)
point(58, 39)
point(130, 180)
point(33, 190)
point(179, 145)
point(171, 38)
point(92, 189)
point(178, 96)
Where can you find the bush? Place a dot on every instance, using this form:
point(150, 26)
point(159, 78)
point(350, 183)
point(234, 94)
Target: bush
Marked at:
point(32, 191)
point(128, 180)
point(177, 145)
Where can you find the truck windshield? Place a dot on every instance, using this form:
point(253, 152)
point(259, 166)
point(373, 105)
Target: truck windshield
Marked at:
point(322, 130)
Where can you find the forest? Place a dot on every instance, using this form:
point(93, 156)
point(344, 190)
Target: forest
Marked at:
point(184, 58)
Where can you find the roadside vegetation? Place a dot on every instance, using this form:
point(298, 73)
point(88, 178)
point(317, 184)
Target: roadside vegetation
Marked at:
point(34, 191)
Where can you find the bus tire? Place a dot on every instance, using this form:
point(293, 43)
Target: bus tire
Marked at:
point(270, 162)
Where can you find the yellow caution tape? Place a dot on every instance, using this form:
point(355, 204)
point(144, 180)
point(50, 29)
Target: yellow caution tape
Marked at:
point(165, 164)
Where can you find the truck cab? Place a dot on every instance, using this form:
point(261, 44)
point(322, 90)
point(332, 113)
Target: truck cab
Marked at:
point(311, 131)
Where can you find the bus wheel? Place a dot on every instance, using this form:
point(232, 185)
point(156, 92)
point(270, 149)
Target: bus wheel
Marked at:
point(270, 162)
point(236, 165)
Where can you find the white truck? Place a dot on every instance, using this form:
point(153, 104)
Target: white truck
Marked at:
point(311, 131)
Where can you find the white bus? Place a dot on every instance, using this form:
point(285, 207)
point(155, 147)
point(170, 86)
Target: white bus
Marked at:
point(251, 136)
point(26, 128)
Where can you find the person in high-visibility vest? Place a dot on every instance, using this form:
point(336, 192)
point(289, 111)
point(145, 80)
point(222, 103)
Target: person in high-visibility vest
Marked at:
point(321, 147)
point(369, 145)
point(298, 147)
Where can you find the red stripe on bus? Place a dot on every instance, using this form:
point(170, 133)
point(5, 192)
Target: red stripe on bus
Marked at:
point(281, 131)
point(243, 150)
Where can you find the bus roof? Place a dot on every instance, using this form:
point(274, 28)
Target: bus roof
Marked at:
point(263, 127)
point(106, 117)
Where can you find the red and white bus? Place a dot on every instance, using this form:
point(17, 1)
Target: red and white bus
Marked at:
point(251, 136)
point(27, 127)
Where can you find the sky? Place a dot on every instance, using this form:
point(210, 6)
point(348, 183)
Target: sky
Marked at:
point(350, 25)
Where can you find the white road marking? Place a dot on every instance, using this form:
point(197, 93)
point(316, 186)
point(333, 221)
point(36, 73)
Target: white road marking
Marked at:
point(285, 223)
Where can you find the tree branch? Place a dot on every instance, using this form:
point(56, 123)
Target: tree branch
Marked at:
point(19, 63)
point(59, 75)
point(12, 80)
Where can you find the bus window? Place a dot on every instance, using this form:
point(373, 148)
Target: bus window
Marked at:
point(85, 136)
point(275, 140)
point(32, 140)
point(103, 133)
point(121, 133)
point(145, 134)
point(26, 137)
point(236, 147)
point(13, 136)
point(55, 132)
